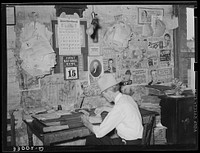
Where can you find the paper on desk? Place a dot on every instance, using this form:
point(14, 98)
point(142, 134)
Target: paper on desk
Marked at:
point(63, 112)
point(176, 96)
point(47, 116)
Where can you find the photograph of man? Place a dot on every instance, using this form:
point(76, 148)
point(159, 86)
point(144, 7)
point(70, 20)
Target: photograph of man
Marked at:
point(95, 68)
point(154, 77)
point(125, 117)
point(167, 41)
point(111, 68)
point(127, 78)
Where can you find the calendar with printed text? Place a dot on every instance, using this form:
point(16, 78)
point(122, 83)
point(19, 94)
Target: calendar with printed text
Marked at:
point(69, 36)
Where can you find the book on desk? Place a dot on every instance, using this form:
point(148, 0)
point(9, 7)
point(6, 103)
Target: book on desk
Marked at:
point(64, 122)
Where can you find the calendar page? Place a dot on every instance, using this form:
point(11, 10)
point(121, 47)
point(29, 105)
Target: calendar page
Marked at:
point(69, 36)
point(70, 65)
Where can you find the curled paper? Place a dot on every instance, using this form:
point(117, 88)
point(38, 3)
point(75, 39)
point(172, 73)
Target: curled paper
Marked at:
point(159, 29)
point(36, 52)
point(147, 30)
point(118, 35)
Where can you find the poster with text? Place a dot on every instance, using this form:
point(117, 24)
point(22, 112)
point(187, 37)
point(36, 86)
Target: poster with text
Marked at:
point(165, 75)
point(165, 55)
point(139, 76)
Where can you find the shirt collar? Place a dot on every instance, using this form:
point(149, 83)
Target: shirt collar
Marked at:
point(118, 97)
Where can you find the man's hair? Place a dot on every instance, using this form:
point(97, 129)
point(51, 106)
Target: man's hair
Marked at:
point(128, 72)
point(168, 35)
point(152, 71)
point(110, 59)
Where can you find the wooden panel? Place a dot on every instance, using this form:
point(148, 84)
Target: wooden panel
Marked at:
point(84, 49)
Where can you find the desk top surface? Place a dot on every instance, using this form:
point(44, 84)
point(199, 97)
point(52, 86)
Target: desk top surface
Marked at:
point(144, 113)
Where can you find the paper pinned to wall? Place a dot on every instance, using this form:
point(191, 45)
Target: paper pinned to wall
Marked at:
point(36, 52)
point(171, 22)
point(69, 36)
point(140, 76)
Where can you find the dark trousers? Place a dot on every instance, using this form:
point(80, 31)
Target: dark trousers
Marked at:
point(106, 140)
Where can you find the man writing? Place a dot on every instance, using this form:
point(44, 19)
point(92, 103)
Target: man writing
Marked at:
point(125, 117)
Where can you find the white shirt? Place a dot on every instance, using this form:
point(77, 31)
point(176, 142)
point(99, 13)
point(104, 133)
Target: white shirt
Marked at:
point(125, 117)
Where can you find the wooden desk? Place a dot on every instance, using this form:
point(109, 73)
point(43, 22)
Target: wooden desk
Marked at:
point(68, 134)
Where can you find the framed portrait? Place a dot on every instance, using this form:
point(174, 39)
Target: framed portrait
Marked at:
point(95, 68)
point(145, 14)
point(10, 15)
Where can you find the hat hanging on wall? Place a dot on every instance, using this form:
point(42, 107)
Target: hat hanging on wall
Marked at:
point(92, 31)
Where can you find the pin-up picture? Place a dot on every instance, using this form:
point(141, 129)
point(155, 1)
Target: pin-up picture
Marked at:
point(145, 14)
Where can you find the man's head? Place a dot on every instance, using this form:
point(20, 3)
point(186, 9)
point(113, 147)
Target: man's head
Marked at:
point(167, 38)
point(109, 86)
point(153, 74)
point(110, 62)
point(144, 13)
point(127, 75)
point(95, 64)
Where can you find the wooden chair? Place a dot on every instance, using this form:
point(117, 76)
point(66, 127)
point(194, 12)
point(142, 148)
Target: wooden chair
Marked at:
point(148, 130)
point(11, 139)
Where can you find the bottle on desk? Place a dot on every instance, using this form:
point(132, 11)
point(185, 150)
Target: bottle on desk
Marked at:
point(59, 107)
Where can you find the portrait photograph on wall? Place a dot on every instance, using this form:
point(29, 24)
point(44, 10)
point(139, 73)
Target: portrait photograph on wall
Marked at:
point(95, 68)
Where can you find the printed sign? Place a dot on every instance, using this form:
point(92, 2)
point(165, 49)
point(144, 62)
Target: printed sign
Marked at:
point(165, 55)
point(153, 45)
point(70, 64)
point(165, 74)
point(139, 76)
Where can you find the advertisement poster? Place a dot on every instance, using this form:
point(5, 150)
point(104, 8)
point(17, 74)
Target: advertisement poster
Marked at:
point(154, 45)
point(94, 51)
point(165, 75)
point(145, 14)
point(70, 65)
point(139, 76)
point(165, 55)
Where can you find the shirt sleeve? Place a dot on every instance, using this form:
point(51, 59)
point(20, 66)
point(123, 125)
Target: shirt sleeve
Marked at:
point(113, 118)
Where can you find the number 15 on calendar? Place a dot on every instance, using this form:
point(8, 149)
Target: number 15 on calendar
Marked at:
point(71, 73)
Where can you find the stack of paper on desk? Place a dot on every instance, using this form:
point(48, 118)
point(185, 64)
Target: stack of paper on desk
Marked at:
point(54, 124)
point(46, 116)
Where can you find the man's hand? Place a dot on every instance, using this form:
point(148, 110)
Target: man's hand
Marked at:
point(101, 109)
point(85, 120)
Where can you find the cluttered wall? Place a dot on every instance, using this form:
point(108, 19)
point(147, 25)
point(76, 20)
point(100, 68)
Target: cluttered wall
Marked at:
point(133, 42)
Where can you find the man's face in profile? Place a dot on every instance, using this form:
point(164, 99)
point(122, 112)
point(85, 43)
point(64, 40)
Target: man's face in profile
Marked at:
point(95, 64)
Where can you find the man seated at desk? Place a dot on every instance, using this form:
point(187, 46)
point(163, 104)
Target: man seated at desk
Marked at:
point(125, 117)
